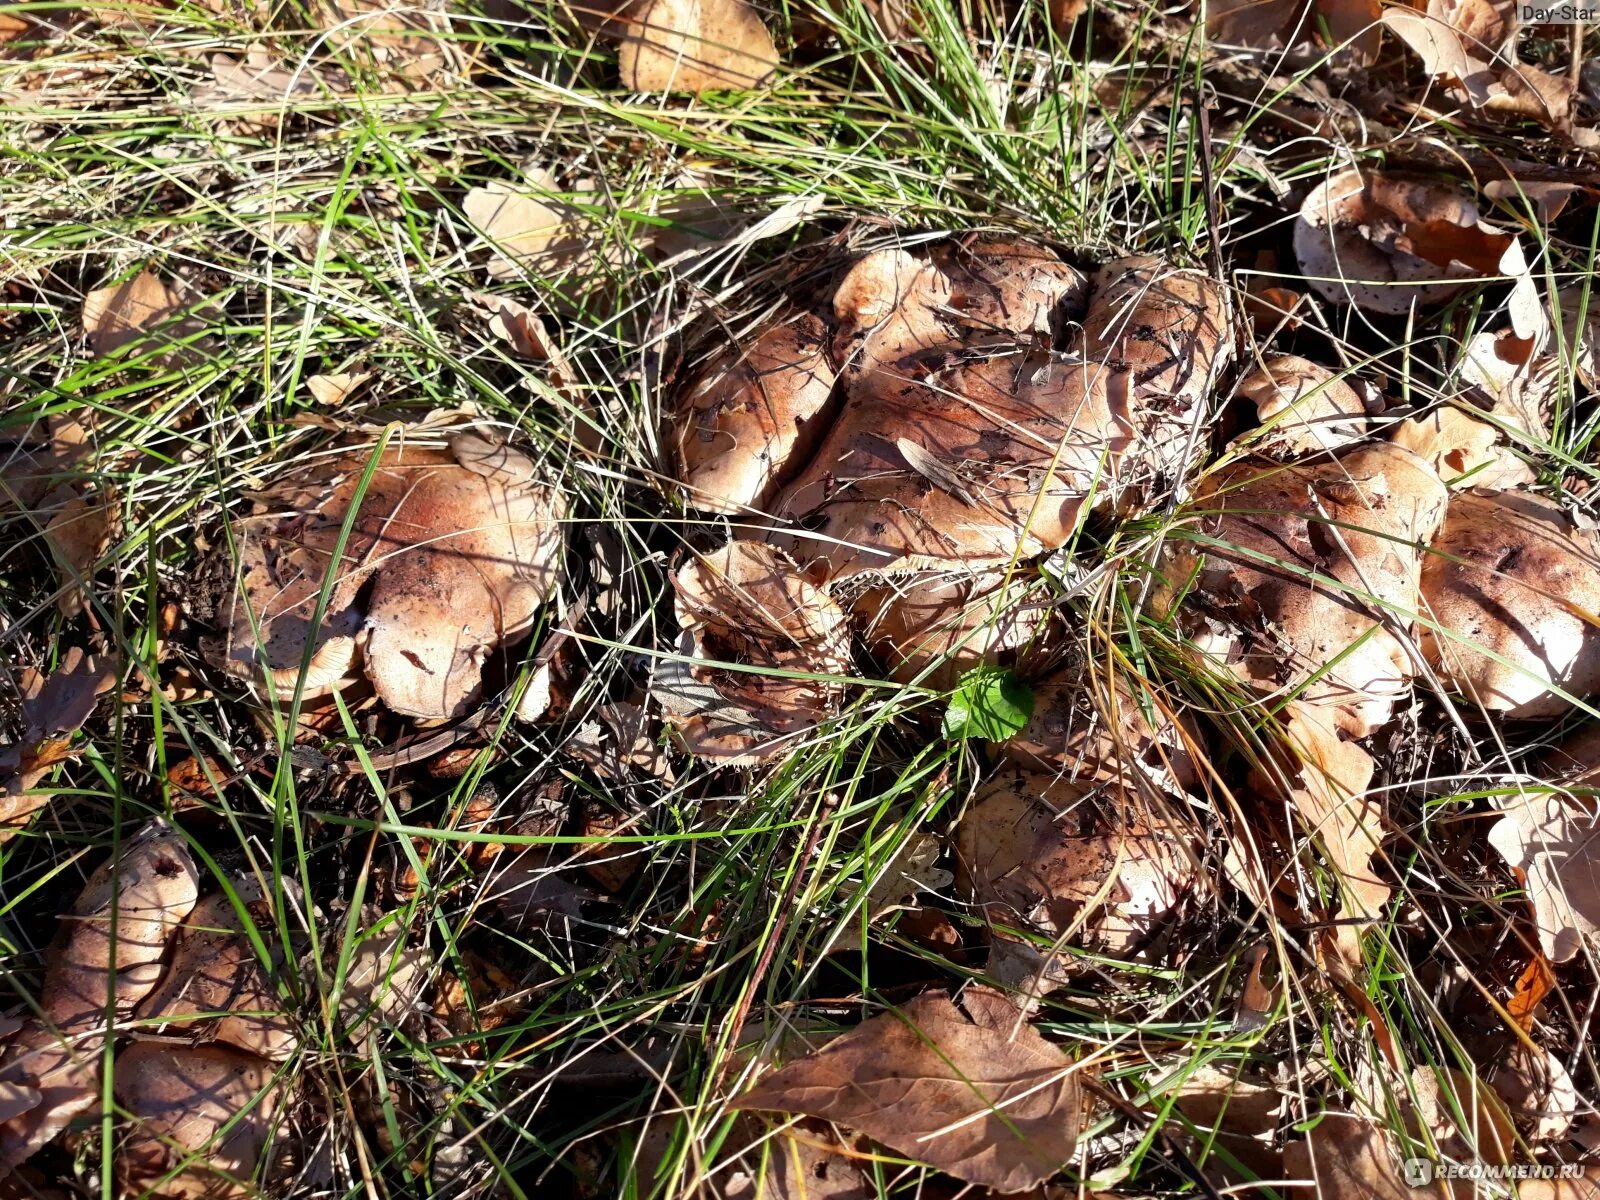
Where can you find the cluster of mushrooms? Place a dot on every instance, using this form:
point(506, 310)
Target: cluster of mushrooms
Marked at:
point(965, 406)
point(201, 1076)
point(959, 407)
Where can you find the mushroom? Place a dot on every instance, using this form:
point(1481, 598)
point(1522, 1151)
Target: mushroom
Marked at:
point(1075, 733)
point(934, 629)
point(1511, 589)
point(1304, 407)
point(951, 452)
point(1305, 577)
point(1386, 242)
point(451, 554)
point(938, 437)
point(216, 987)
point(747, 605)
point(202, 1118)
point(1045, 859)
point(112, 949)
point(751, 410)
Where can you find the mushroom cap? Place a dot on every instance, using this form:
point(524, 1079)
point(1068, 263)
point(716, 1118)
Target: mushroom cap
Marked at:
point(748, 605)
point(1354, 235)
point(1514, 587)
point(1309, 570)
point(964, 439)
point(1168, 328)
point(180, 1099)
point(215, 971)
point(751, 410)
point(1072, 734)
point(1034, 850)
point(458, 549)
point(935, 627)
point(1308, 408)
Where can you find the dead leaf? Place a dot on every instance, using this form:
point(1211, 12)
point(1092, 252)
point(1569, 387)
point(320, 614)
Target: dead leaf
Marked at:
point(122, 313)
point(1555, 843)
point(1468, 45)
point(331, 391)
point(1548, 198)
point(530, 229)
point(1346, 1157)
point(78, 533)
point(53, 710)
point(1323, 780)
point(972, 1090)
point(1538, 1091)
point(695, 46)
point(519, 327)
point(260, 76)
point(1386, 243)
point(1351, 25)
point(617, 744)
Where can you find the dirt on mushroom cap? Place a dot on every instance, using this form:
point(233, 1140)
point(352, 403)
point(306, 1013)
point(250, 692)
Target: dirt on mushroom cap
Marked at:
point(456, 549)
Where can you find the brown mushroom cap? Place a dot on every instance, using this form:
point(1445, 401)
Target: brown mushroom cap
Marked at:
point(1311, 571)
point(1306, 407)
point(1072, 734)
point(1039, 855)
point(215, 971)
point(180, 1098)
point(752, 410)
point(747, 604)
point(1514, 587)
point(459, 549)
point(933, 628)
point(113, 947)
point(955, 450)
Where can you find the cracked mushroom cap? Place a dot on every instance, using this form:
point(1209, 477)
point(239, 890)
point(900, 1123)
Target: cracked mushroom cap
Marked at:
point(1305, 407)
point(1067, 861)
point(215, 987)
point(1514, 587)
point(452, 552)
point(1307, 575)
point(748, 605)
point(181, 1101)
point(961, 445)
point(935, 628)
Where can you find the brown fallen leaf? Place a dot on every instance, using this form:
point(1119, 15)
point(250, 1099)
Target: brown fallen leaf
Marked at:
point(1323, 780)
point(519, 327)
point(972, 1090)
point(1548, 198)
point(1345, 1157)
point(530, 227)
point(261, 76)
point(331, 391)
point(53, 709)
point(1346, 25)
point(122, 313)
point(117, 934)
point(1386, 242)
point(1469, 46)
point(1538, 1091)
point(694, 46)
point(78, 532)
point(1554, 840)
